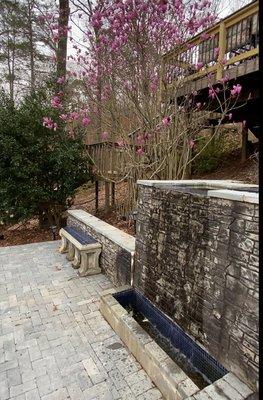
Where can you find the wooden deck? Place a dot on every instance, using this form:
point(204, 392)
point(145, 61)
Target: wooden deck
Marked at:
point(231, 47)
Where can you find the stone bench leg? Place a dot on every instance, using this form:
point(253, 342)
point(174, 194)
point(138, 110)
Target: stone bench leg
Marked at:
point(71, 252)
point(94, 263)
point(76, 261)
point(89, 264)
point(64, 245)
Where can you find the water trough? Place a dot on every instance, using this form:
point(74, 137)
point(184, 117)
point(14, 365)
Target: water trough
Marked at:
point(174, 361)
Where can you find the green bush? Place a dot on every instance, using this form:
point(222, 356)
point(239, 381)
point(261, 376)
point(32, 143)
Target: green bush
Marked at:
point(40, 169)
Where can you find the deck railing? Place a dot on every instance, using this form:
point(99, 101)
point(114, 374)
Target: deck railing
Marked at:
point(230, 42)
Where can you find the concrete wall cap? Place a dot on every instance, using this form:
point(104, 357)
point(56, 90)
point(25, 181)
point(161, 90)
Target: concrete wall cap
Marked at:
point(110, 232)
point(199, 183)
point(236, 195)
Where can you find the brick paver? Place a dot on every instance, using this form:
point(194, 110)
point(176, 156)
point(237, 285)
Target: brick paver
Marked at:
point(54, 343)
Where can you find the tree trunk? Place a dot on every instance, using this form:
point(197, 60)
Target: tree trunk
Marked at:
point(31, 49)
point(62, 44)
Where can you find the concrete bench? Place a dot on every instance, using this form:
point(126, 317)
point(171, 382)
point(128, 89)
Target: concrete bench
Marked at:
point(83, 250)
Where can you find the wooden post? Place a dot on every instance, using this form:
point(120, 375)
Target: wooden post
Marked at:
point(244, 144)
point(113, 194)
point(96, 196)
point(222, 50)
point(107, 196)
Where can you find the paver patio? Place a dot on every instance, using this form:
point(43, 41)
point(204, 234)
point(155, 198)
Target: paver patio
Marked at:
point(54, 343)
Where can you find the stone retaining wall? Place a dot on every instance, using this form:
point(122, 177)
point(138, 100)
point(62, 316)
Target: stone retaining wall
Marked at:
point(197, 260)
point(118, 247)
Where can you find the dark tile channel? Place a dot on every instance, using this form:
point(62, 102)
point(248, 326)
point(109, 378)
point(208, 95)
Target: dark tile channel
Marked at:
point(201, 367)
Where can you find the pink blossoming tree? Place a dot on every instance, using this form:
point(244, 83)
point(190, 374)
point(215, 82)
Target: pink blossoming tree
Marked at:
point(117, 78)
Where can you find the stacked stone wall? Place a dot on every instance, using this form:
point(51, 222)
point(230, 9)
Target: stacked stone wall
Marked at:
point(197, 259)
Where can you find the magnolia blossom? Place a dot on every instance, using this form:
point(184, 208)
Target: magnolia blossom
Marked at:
point(211, 93)
point(56, 102)
point(225, 79)
point(230, 116)
point(61, 80)
point(64, 117)
point(166, 121)
point(119, 34)
point(217, 51)
point(120, 142)
point(73, 116)
point(204, 36)
point(198, 105)
point(199, 65)
point(140, 151)
point(191, 143)
point(104, 135)
point(140, 140)
point(49, 123)
point(85, 121)
point(235, 91)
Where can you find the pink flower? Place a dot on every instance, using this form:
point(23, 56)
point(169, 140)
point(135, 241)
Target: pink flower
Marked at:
point(230, 115)
point(198, 105)
point(235, 91)
point(224, 79)
point(153, 87)
point(191, 143)
point(63, 117)
point(55, 102)
point(85, 121)
point(189, 46)
point(211, 93)
point(120, 143)
point(204, 36)
point(244, 122)
point(140, 151)
point(199, 65)
point(216, 51)
point(73, 116)
point(104, 135)
point(166, 121)
point(139, 139)
point(49, 123)
point(61, 79)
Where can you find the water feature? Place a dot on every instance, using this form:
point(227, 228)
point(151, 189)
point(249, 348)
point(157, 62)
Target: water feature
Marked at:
point(201, 367)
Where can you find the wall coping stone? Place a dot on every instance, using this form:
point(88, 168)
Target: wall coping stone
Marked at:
point(246, 197)
point(224, 189)
point(112, 233)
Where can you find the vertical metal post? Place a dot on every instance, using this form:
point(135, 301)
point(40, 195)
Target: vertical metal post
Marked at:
point(96, 196)
point(113, 194)
point(244, 144)
point(107, 196)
